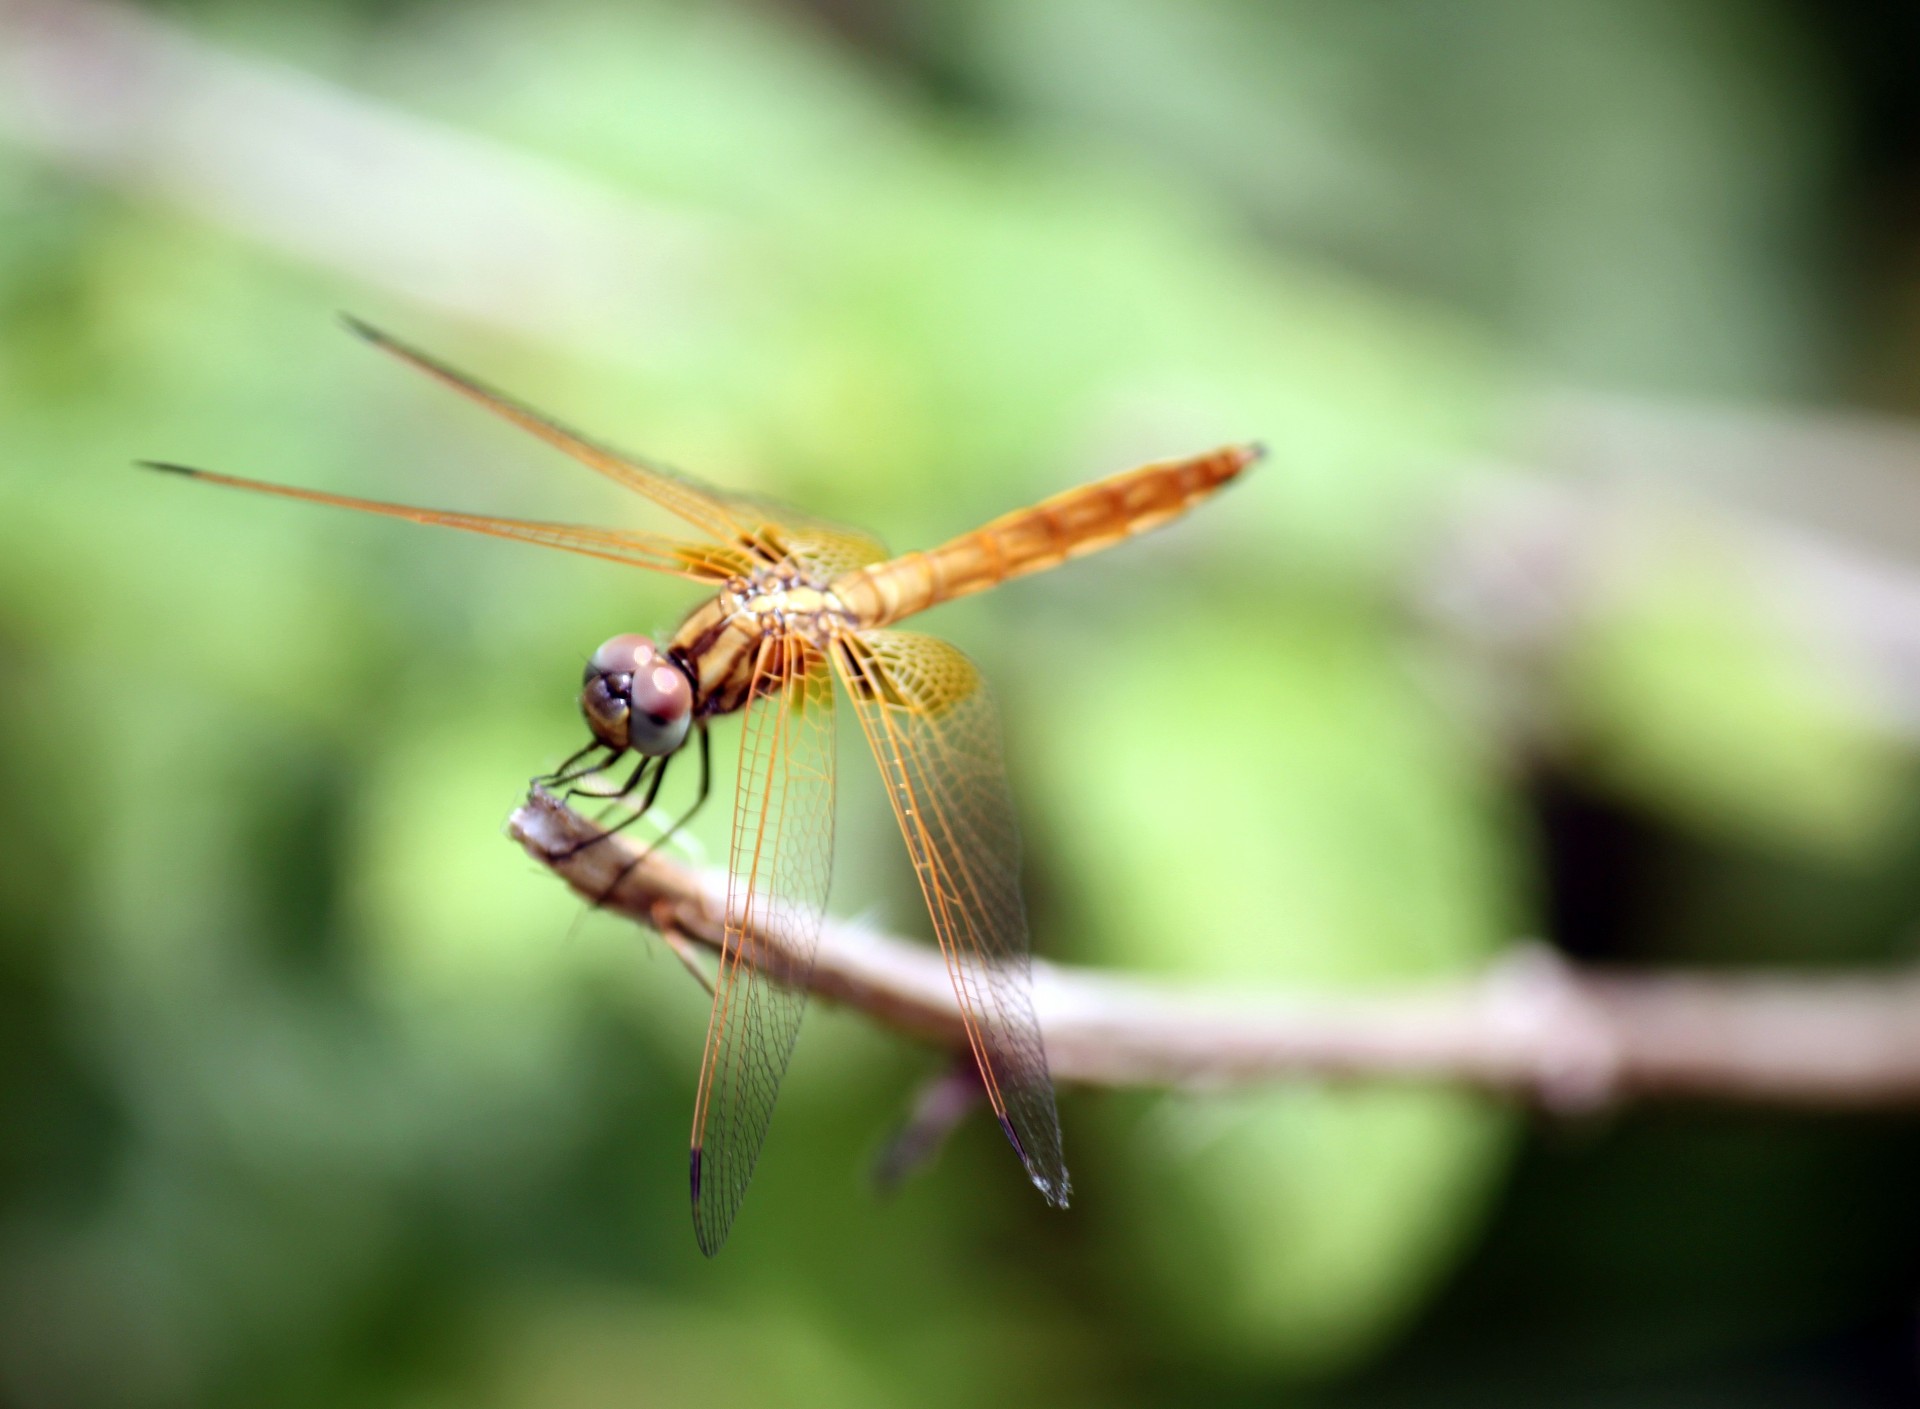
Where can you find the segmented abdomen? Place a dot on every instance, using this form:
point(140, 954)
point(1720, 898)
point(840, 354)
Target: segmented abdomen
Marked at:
point(1082, 520)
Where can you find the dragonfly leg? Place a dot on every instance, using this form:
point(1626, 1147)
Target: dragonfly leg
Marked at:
point(699, 801)
point(646, 803)
point(633, 782)
point(684, 952)
point(566, 773)
point(941, 1105)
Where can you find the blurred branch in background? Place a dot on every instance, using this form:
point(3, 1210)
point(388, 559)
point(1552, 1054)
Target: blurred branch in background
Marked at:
point(1819, 513)
point(427, 212)
point(1532, 1026)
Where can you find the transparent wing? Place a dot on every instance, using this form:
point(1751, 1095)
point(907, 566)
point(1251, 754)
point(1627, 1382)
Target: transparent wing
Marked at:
point(770, 531)
point(781, 862)
point(931, 723)
point(703, 562)
point(827, 549)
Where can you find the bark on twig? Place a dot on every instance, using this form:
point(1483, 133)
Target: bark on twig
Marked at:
point(1531, 1026)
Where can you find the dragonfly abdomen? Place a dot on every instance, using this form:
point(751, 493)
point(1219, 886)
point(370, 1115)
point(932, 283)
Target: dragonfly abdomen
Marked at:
point(1069, 525)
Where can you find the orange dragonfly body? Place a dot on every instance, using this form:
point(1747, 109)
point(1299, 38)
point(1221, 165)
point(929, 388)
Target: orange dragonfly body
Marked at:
point(798, 601)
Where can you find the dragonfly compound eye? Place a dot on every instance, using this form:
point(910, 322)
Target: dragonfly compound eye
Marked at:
point(604, 702)
point(622, 655)
point(659, 708)
point(636, 698)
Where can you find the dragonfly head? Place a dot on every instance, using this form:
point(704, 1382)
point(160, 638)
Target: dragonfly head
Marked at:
point(635, 697)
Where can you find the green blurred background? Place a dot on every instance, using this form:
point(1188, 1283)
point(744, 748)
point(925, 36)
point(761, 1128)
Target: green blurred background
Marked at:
point(1573, 604)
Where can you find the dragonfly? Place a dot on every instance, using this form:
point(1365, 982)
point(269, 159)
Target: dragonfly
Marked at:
point(796, 603)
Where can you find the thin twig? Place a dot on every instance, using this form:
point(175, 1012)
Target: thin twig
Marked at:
point(1532, 1026)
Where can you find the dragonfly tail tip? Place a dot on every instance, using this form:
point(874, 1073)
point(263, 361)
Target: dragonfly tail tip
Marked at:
point(168, 467)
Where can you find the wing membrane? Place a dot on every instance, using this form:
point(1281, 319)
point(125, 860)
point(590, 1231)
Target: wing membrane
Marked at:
point(824, 548)
point(781, 863)
point(700, 561)
point(770, 531)
point(672, 491)
point(936, 736)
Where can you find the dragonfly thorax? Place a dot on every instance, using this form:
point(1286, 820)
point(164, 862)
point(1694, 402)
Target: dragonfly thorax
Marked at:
point(784, 602)
point(724, 638)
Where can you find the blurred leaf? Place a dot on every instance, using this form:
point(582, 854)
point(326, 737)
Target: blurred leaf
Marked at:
point(1621, 188)
point(1288, 809)
point(1298, 1228)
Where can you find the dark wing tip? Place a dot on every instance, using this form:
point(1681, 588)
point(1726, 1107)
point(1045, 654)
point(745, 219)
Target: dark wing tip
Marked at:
point(1013, 1138)
point(360, 328)
point(168, 467)
point(710, 1237)
point(412, 355)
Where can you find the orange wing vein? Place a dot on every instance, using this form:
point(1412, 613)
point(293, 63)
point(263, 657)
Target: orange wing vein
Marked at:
point(700, 561)
point(771, 531)
point(934, 731)
point(781, 863)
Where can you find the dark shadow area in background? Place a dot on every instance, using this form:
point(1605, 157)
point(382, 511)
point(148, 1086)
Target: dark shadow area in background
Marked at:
point(1690, 1254)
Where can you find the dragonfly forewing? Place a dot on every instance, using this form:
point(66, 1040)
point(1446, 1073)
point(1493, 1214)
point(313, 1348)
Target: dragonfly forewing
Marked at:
point(769, 530)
